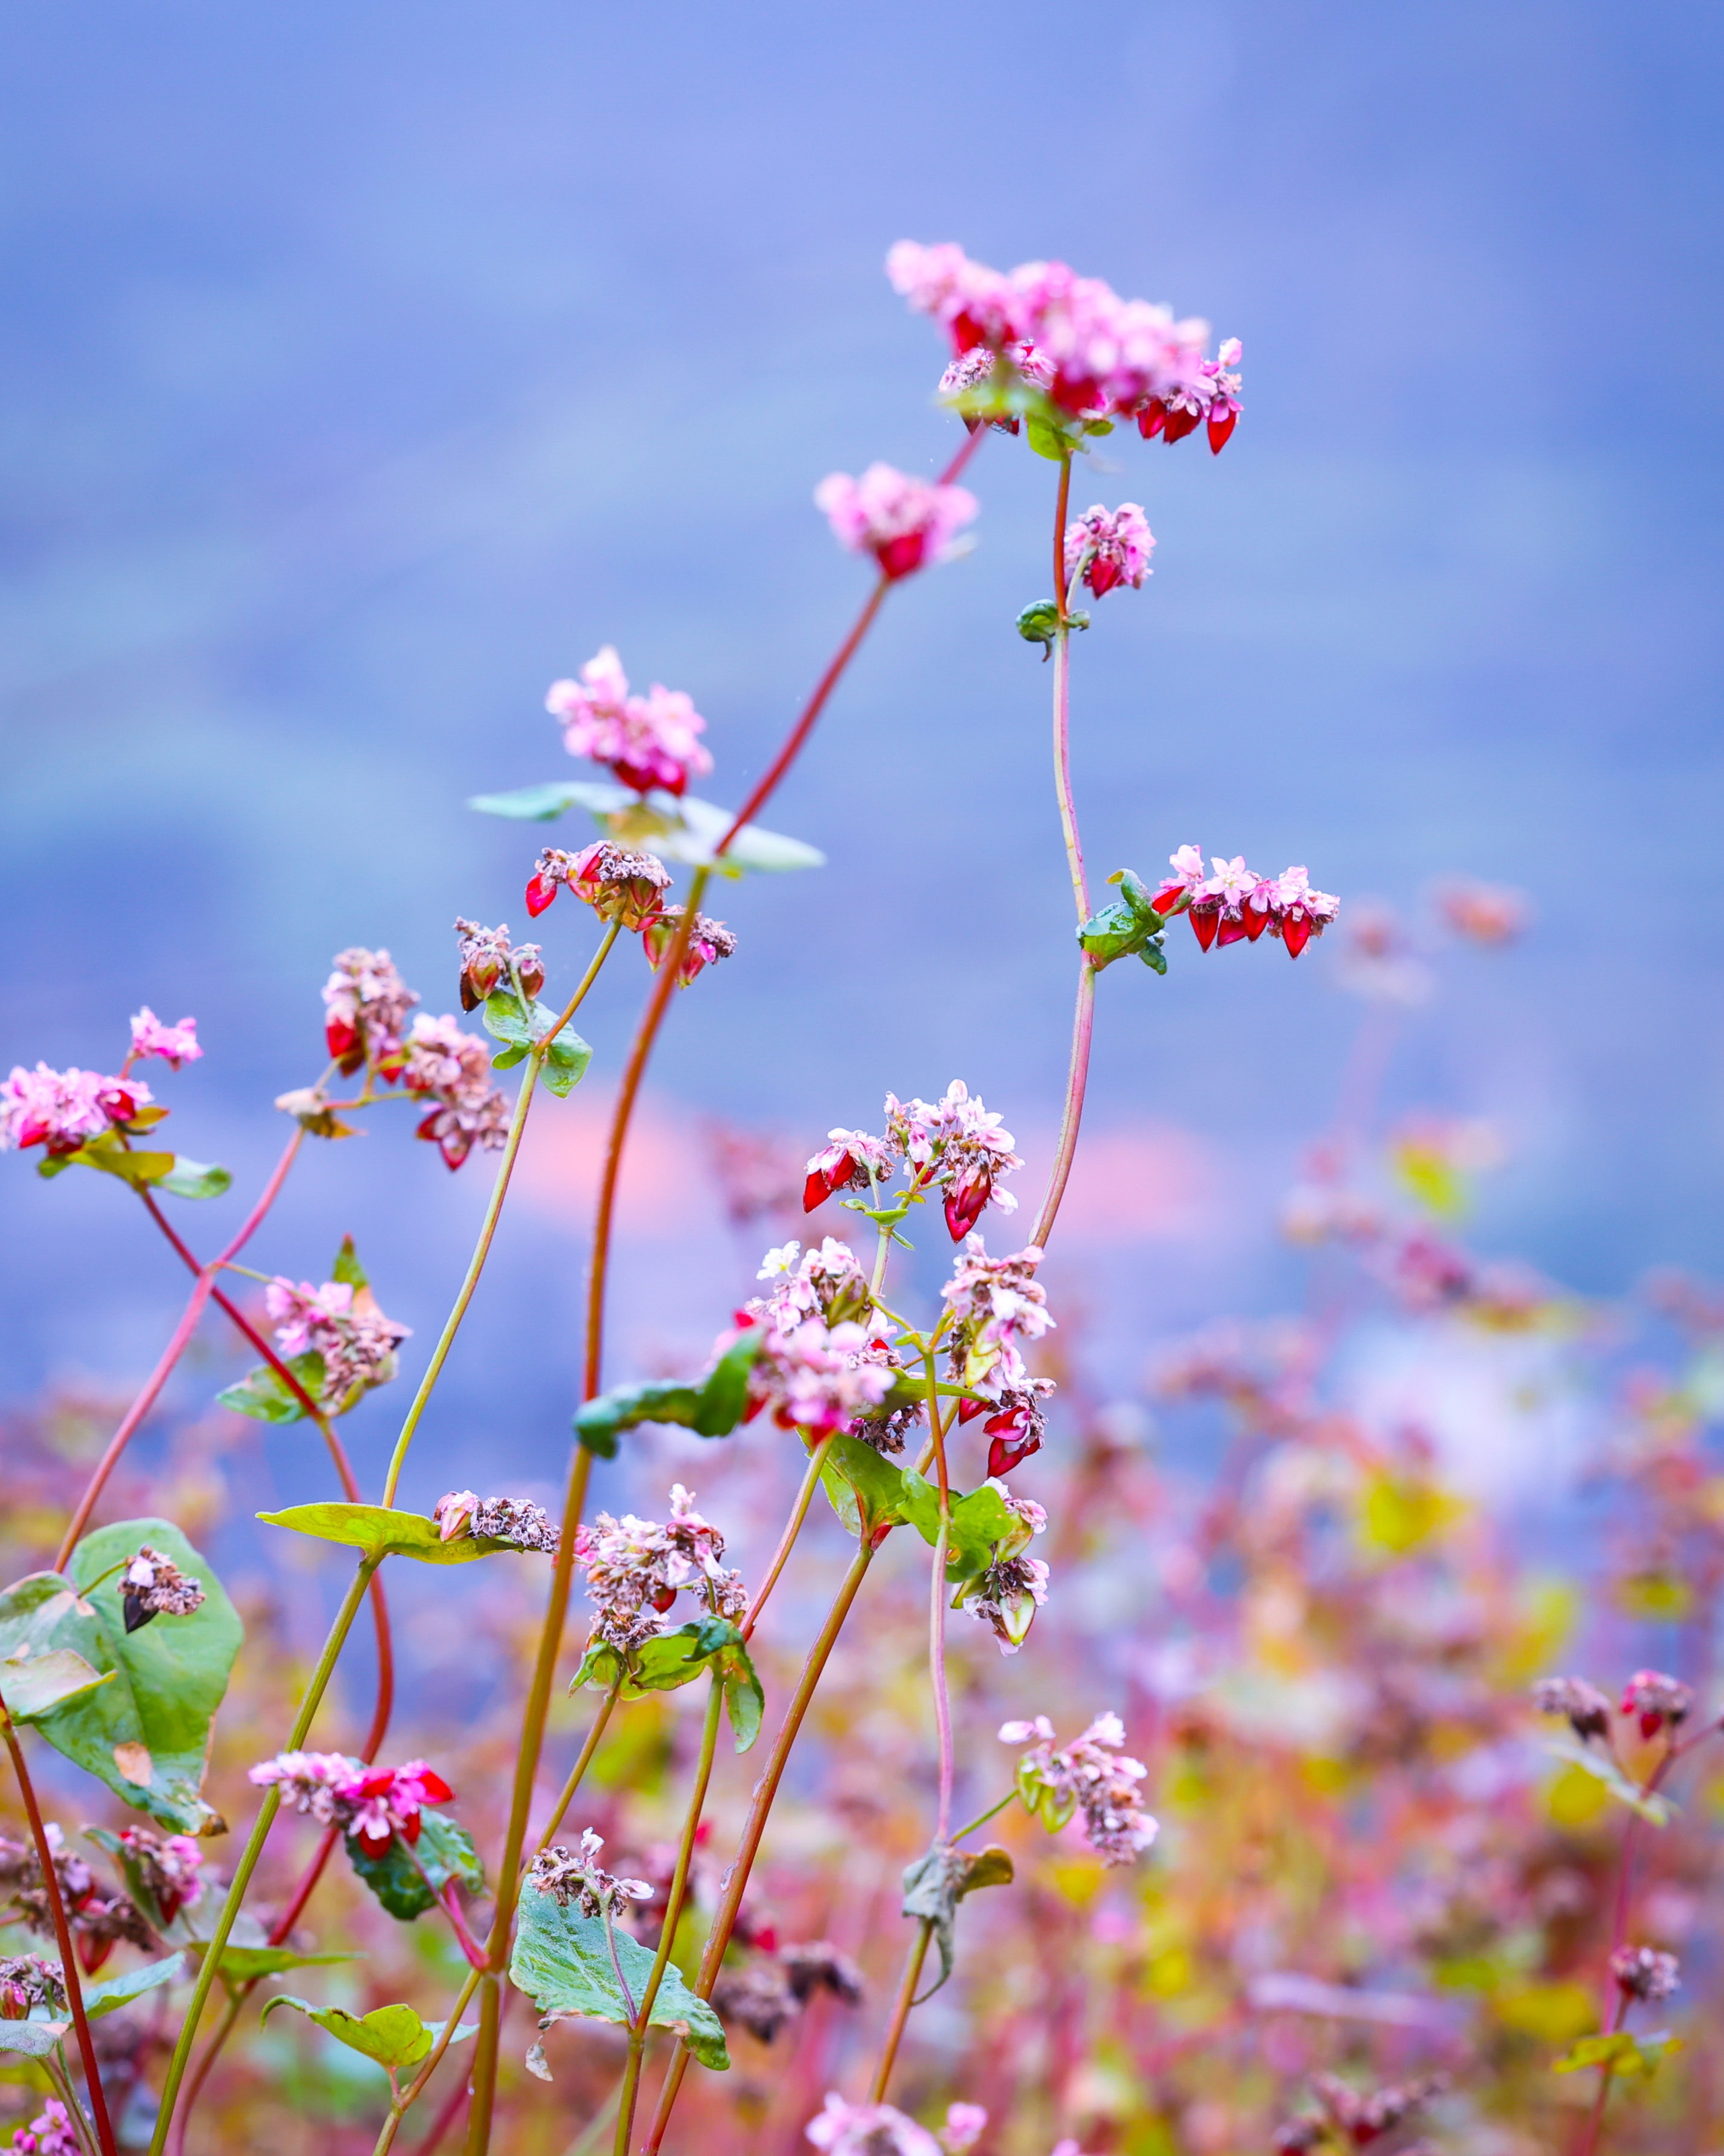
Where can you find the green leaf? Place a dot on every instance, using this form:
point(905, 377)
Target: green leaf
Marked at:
point(99, 1998)
point(32, 2039)
point(505, 1020)
point(937, 1882)
point(107, 1154)
point(542, 803)
point(37, 1684)
point(1131, 927)
point(562, 1962)
point(983, 1529)
point(195, 1179)
point(1655, 1810)
point(1047, 441)
point(1620, 2053)
point(683, 830)
point(724, 1395)
point(246, 1965)
point(676, 1658)
point(146, 1733)
point(347, 1268)
point(380, 1531)
point(711, 1408)
point(262, 1394)
point(394, 2036)
point(866, 1492)
point(408, 1879)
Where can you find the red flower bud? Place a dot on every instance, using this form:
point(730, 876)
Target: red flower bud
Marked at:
point(1205, 920)
point(1179, 424)
point(1295, 932)
point(1221, 425)
point(1152, 419)
point(540, 892)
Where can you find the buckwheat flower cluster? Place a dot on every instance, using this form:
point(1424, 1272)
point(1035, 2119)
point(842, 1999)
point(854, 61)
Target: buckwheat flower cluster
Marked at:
point(905, 523)
point(152, 1585)
point(567, 1877)
point(488, 956)
point(646, 741)
point(1491, 914)
point(1091, 1775)
point(98, 1919)
point(709, 940)
point(61, 1109)
point(1016, 1426)
point(366, 1003)
point(28, 1981)
point(826, 1282)
point(868, 2129)
point(1094, 354)
point(1656, 1702)
point(1364, 2119)
point(1235, 905)
point(819, 1377)
point(372, 1804)
point(51, 2133)
point(174, 1044)
point(1644, 1973)
point(847, 1162)
point(1587, 1710)
point(955, 1142)
point(170, 1865)
point(342, 1324)
point(634, 1568)
point(1111, 546)
point(998, 1307)
point(765, 1994)
point(451, 1071)
point(1011, 1589)
point(616, 881)
point(496, 1519)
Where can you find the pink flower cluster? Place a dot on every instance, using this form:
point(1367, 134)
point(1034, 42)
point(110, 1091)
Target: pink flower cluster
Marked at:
point(818, 1368)
point(869, 2130)
point(905, 523)
point(1111, 546)
point(1656, 1702)
point(170, 1863)
point(709, 940)
point(1235, 905)
point(1095, 355)
point(51, 2133)
point(372, 1804)
point(61, 1109)
point(634, 1568)
point(850, 1161)
point(998, 1307)
point(451, 1072)
point(646, 741)
point(174, 1044)
point(366, 1003)
point(343, 1326)
point(1091, 1775)
point(953, 1142)
point(619, 884)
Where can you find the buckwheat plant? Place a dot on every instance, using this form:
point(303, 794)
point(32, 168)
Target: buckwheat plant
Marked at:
point(119, 1655)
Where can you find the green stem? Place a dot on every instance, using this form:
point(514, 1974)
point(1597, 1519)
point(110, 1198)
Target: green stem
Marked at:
point(254, 1848)
point(409, 2096)
point(577, 1772)
point(792, 1529)
point(983, 1818)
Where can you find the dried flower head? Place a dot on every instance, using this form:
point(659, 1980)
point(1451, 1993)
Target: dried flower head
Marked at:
point(756, 1997)
point(1657, 1702)
point(174, 1044)
point(635, 1569)
point(618, 882)
point(1092, 1775)
point(650, 741)
point(1586, 1708)
point(567, 1877)
point(366, 1003)
point(488, 958)
point(1644, 1973)
point(817, 1965)
point(1112, 546)
point(342, 1324)
point(171, 1864)
point(709, 940)
point(152, 1585)
point(61, 1109)
point(496, 1519)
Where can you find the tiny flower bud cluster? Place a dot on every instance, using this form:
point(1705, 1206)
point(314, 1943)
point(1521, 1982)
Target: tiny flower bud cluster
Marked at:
point(709, 940)
point(998, 1307)
point(650, 741)
point(496, 1519)
point(488, 956)
point(1235, 905)
point(567, 1877)
point(152, 1585)
point(1112, 546)
point(619, 884)
point(1011, 1589)
point(61, 1109)
point(174, 1044)
point(818, 1369)
point(1644, 1973)
point(51, 2133)
point(372, 1804)
point(1586, 1708)
point(366, 1003)
point(170, 1863)
point(635, 1567)
point(342, 1324)
point(1091, 1775)
point(452, 1070)
point(1094, 354)
point(868, 2129)
point(26, 1981)
point(905, 523)
point(1656, 1701)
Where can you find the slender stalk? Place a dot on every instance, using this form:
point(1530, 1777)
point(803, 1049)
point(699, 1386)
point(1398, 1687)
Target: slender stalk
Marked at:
point(792, 1529)
point(983, 1818)
point(577, 1772)
point(901, 2012)
point(445, 2119)
point(936, 1608)
point(172, 1353)
point(59, 2073)
point(254, 1848)
point(643, 2018)
point(63, 1937)
point(765, 1791)
point(409, 2096)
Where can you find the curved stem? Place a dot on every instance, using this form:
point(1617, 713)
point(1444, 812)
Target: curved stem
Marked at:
point(577, 1772)
point(901, 2012)
point(63, 1936)
point(765, 1791)
point(254, 1848)
point(983, 1818)
point(792, 1529)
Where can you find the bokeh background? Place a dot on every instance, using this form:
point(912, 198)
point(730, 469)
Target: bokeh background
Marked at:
point(365, 367)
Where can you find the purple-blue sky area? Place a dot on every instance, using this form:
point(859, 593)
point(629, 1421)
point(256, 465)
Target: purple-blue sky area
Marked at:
point(367, 367)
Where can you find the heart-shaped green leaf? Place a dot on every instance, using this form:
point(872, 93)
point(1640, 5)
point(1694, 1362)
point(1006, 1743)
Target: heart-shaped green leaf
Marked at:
point(676, 1658)
point(685, 830)
point(40, 1683)
point(408, 1878)
point(380, 1531)
point(195, 1179)
point(505, 1020)
point(262, 1394)
point(394, 2036)
point(562, 1961)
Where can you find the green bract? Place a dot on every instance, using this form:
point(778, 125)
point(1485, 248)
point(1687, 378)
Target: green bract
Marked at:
point(145, 1732)
point(685, 830)
point(562, 1962)
point(676, 1658)
point(1130, 928)
point(935, 1885)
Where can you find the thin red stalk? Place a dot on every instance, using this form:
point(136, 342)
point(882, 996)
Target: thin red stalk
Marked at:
point(63, 1935)
point(172, 1353)
point(901, 2012)
point(445, 2119)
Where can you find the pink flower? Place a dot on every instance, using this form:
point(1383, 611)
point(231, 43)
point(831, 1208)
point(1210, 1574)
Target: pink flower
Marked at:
point(1114, 545)
point(63, 1108)
point(51, 2133)
point(1235, 905)
point(1483, 912)
point(345, 1327)
point(451, 1070)
point(709, 940)
point(869, 2130)
point(819, 1377)
point(845, 1164)
point(955, 1142)
point(1090, 1775)
point(1655, 1700)
point(965, 2123)
point(647, 741)
point(905, 523)
point(998, 1307)
point(617, 882)
point(372, 1804)
point(366, 1003)
point(174, 1044)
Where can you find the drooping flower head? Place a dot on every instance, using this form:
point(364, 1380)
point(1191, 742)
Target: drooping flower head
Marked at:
point(1114, 546)
point(648, 741)
point(1235, 905)
point(616, 881)
point(343, 1324)
point(1091, 1775)
point(449, 1072)
point(174, 1044)
point(905, 523)
point(955, 1142)
point(61, 1109)
point(1656, 1702)
point(366, 1003)
point(372, 1804)
point(152, 1585)
point(171, 1864)
point(635, 1568)
point(709, 940)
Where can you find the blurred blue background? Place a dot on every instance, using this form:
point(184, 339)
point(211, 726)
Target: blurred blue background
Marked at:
point(365, 367)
